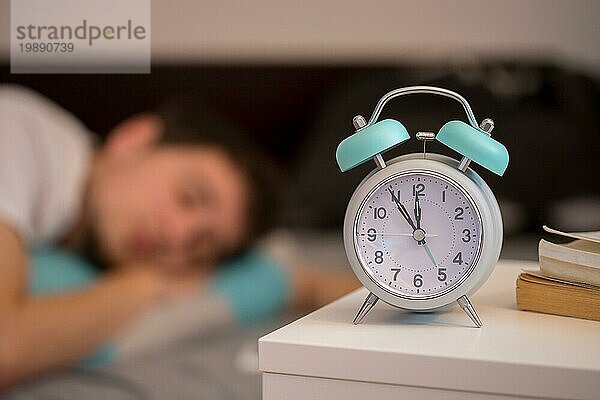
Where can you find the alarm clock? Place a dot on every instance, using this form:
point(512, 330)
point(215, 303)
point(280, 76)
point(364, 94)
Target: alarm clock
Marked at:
point(422, 230)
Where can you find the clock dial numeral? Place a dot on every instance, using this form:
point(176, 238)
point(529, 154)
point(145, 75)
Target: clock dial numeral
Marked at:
point(418, 280)
point(395, 196)
point(418, 190)
point(396, 272)
point(458, 258)
point(371, 234)
point(442, 276)
point(466, 235)
point(443, 196)
point(379, 213)
point(459, 213)
point(379, 256)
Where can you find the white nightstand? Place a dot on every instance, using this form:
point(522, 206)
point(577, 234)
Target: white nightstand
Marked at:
point(395, 354)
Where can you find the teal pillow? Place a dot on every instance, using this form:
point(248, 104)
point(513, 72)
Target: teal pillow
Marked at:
point(54, 271)
point(255, 287)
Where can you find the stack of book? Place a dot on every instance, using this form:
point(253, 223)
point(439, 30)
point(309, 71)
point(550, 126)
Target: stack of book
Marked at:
point(568, 280)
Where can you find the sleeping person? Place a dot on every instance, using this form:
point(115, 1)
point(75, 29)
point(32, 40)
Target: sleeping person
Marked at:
point(101, 245)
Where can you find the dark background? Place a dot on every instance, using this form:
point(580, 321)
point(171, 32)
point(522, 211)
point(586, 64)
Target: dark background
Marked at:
point(545, 115)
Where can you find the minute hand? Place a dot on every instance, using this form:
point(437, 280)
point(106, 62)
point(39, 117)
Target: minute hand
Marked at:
point(403, 210)
point(417, 211)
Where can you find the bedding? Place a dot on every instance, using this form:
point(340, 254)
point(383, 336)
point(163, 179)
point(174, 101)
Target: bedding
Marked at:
point(245, 291)
point(161, 355)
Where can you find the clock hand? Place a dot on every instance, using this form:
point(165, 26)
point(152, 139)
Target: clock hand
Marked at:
point(417, 211)
point(406, 215)
point(402, 210)
point(426, 247)
point(397, 234)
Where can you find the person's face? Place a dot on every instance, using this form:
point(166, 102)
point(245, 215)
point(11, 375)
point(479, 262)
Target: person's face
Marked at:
point(173, 206)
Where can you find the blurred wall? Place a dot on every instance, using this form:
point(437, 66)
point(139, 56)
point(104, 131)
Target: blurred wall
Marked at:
point(382, 31)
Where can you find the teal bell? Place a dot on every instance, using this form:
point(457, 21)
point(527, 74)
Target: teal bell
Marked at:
point(474, 144)
point(369, 141)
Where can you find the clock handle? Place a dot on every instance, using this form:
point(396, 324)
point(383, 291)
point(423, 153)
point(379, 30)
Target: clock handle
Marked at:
point(423, 90)
point(370, 301)
point(467, 307)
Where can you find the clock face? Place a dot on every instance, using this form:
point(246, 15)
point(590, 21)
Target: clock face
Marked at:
point(418, 234)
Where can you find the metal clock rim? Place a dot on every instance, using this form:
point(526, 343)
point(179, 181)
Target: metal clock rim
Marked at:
point(490, 213)
point(444, 178)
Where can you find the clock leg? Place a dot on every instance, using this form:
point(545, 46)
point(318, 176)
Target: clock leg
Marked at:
point(467, 307)
point(365, 308)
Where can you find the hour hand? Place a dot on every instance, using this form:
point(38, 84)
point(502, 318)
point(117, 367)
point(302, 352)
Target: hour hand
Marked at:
point(403, 210)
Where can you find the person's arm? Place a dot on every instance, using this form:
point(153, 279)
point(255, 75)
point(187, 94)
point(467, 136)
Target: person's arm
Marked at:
point(37, 334)
point(314, 287)
point(313, 282)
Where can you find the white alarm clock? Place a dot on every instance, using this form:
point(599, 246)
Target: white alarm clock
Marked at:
point(422, 230)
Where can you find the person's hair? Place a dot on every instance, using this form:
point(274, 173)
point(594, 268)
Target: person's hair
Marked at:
point(189, 121)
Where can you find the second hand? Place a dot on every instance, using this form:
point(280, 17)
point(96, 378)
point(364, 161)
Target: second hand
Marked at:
point(396, 234)
point(426, 247)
